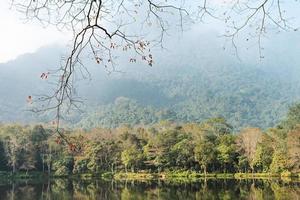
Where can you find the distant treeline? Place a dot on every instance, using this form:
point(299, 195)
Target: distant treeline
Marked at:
point(210, 146)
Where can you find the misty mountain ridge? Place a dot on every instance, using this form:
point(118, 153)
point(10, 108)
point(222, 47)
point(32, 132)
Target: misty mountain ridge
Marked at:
point(174, 89)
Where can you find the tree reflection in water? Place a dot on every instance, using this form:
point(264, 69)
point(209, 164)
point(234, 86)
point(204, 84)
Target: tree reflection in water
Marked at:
point(66, 189)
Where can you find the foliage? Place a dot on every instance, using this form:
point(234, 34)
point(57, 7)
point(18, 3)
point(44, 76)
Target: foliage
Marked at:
point(207, 147)
point(245, 96)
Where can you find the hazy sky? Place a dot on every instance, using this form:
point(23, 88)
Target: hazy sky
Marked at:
point(18, 37)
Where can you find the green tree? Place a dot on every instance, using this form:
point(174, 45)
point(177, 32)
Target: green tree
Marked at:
point(279, 161)
point(293, 117)
point(226, 149)
point(183, 153)
point(63, 165)
point(13, 145)
point(131, 157)
point(293, 149)
point(3, 157)
point(216, 126)
point(132, 151)
point(205, 153)
point(263, 154)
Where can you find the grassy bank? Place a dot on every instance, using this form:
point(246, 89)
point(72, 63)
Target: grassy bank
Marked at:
point(22, 175)
point(167, 175)
point(40, 175)
point(196, 175)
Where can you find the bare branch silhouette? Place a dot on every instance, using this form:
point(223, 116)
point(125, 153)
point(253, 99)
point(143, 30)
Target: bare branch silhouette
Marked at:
point(106, 28)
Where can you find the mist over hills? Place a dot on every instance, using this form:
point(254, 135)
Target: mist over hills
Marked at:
point(193, 83)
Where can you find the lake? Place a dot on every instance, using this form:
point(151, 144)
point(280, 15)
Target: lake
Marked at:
point(65, 189)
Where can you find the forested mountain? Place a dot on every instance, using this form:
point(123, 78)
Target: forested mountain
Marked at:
point(20, 78)
point(245, 94)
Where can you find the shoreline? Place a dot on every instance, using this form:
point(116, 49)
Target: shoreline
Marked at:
point(170, 175)
point(194, 176)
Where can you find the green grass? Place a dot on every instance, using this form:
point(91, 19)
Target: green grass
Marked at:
point(22, 175)
point(133, 176)
point(192, 175)
point(166, 175)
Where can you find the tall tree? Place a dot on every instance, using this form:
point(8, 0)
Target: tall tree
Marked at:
point(205, 153)
point(3, 157)
point(14, 142)
point(247, 142)
point(226, 152)
point(183, 152)
point(279, 159)
point(263, 154)
point(293, 149)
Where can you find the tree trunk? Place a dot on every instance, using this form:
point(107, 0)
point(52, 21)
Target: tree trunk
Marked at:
point(13, 191)
point(43, 161)
point(49, 161)
point(112, 167)
point(49, 169)
point(205, 170)
point(14, 167)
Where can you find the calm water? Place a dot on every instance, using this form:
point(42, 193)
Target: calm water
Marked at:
point(99, 189)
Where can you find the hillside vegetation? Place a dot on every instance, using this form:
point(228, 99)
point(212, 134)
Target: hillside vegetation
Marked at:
point(246, 95)
point(207, 147)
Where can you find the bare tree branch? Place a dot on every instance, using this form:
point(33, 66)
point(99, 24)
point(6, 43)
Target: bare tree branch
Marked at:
point(106, 28)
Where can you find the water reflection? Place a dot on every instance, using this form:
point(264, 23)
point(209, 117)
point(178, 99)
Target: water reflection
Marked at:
point(66, 189)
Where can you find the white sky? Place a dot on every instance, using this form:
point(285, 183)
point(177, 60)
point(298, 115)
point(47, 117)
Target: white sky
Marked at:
point(18, 37)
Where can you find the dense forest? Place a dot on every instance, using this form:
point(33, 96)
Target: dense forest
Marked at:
point(173, 90)
point(206, 147)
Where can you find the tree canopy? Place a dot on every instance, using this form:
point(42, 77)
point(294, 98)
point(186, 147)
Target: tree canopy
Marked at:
point(204, 147)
